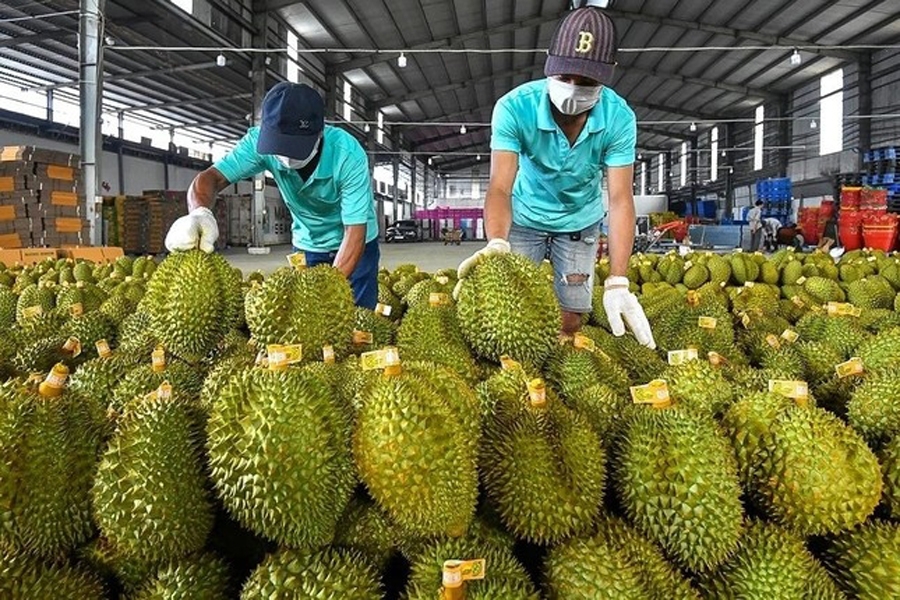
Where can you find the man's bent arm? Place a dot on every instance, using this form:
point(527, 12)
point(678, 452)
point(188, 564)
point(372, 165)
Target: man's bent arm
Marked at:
point(621, 218)
point(205, 187)
point(498, 202)
point(351, 249)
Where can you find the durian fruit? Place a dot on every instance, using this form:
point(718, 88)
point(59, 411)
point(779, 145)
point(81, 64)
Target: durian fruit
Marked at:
point(871, 292)
point(676, 477)
point(367, 529)
point(279, 455)
point(372, 331)
point(143, 379)
point(873, 410)
point(641, 362)
point(328, 574)
point(24, 578)
point(591, 569)
point(507, 308)
point(570, 369)
point(193, 300)
point(542, 465)
point(697, 321)
point(890, 469)
point(89, 329)
point(430, 332)
point(116, 309)
point(312, 307)
point(200, 577)
point(130, 571)
point(659, 578)
point(439, 284)
point(8, 301)
point(40, 355)
point(504, 576)
point(820, 585)
point(865, 561)
point(816, 475)
point(135, 336)
point(821, 359)
point(606, 410)
point(150, 496)
point(223, 372)
point(880, 352)
point(824, 290)
point(34, 301)
point(698, 386)
point(415, 444)
point(50, 438)
point(387, 298)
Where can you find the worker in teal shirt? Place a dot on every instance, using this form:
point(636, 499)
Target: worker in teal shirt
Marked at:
point(551, 141)
point(322, 173)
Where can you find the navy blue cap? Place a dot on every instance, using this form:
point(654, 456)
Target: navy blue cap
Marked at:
point(293, 118)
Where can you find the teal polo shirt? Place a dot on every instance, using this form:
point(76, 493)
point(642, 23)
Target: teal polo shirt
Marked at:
point(558, 186)
point(338, 194)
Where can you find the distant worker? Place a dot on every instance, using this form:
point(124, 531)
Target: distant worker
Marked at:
point(552, 140)
point(322, 173)
point(754, 221)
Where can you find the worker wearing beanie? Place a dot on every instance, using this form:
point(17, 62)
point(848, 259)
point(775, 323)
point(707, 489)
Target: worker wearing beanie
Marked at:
point(322, 173)
point(552, 139)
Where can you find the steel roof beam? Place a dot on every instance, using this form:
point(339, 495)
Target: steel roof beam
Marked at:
point(135, 75)
point(754, 36)
point(710, 83)
point(56, 34)
point(179, 103)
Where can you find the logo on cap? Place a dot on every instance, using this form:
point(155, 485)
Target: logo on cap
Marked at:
point(585, 42)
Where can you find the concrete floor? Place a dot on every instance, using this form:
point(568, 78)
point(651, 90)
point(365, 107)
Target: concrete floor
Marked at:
point(428, 256)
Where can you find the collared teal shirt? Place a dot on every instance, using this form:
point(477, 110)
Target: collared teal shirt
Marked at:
point(339, 192)
point(558, 186)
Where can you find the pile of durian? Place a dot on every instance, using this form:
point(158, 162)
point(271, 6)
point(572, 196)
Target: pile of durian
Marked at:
point(173, 430)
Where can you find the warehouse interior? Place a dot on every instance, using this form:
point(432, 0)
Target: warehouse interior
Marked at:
point(341, 365)
point(726, 93)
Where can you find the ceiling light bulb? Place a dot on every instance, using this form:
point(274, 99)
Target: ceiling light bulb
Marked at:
point(477, 157)
point(813, 124)
point(401, 60)
point(723, 153)
point(640, 156)
point(462, 129)
point(367, 128)
point(221, 61)
point(110, 40)
point(796, 59)
point(693, 127)
point(430, 161)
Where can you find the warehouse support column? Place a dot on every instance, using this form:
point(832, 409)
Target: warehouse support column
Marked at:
point(90, 77)
point(667, 187)
point(396, 164)
point(726, 141)
point(120, 160)
point(865, 106)
point(412, 184)
point(258, 93)
point(784, 136)
point(371, 150)
point(331, 92)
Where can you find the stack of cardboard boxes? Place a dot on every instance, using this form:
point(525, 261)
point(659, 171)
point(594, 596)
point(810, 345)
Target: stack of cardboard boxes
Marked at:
point(41, 199)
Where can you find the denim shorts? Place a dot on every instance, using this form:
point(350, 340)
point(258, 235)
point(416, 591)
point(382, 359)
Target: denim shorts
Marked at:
point(363, 280)
point(573, 256)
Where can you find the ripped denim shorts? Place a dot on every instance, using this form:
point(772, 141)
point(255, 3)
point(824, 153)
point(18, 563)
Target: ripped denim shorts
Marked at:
point(573, 256)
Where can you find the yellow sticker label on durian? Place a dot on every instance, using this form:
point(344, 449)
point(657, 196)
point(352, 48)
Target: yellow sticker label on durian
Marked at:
point(717, 359)
point(76, 310)
point(297, 260)
point(158, 359)
point(282, 355)
point(707, 322)
point(438, 299)
point(442, 279)
point(750, 284)
point(790, 336)
point(72, 346)
point(655, 393)
point(537, 392)
point(383, 309)
point(455, 572)
point(32, 311)
point(854, 366)
point(679, 357)
point(328, 354)
point(789, 389)
point(103, 349)
point(164, 392)
point(871, 259)
point(380, 359)
point(583, 342)
point(801, 280)
point(772, 340)
point(745, 320)
point(842, 309)
point(361, 338)
point(688, 265)
point(798, 301)
point(507, 363)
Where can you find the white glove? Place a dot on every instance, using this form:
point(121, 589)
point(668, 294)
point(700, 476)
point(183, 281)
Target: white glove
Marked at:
point(495, 246)
point(620, 304)
point(198, 229)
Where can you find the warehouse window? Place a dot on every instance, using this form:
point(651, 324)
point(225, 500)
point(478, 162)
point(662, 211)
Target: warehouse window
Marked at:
point(661, 173)
point(348, 97)
point(831, 106)
point(29, 103)
point(379, 135)
point(758, 136)
point(185, 5)
point(714, 154)
point(643, 178)
point(293, 70)
point(684, 162)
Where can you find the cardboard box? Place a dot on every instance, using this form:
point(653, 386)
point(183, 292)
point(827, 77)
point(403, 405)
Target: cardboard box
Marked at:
point(35, 154)
point(20, 226)
point(83, 252)
point(10, 257)
point(10, 240)
point(33, 256)
point(61, 172)
point(20, 197)
point(12, 183)
point(64, 225)
point(112, 252)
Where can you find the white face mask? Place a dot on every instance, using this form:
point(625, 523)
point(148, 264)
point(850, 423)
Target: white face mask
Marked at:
point(572, 99)
point(297, 163)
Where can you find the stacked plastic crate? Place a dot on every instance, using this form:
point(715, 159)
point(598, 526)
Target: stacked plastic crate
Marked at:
point(777, 196)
